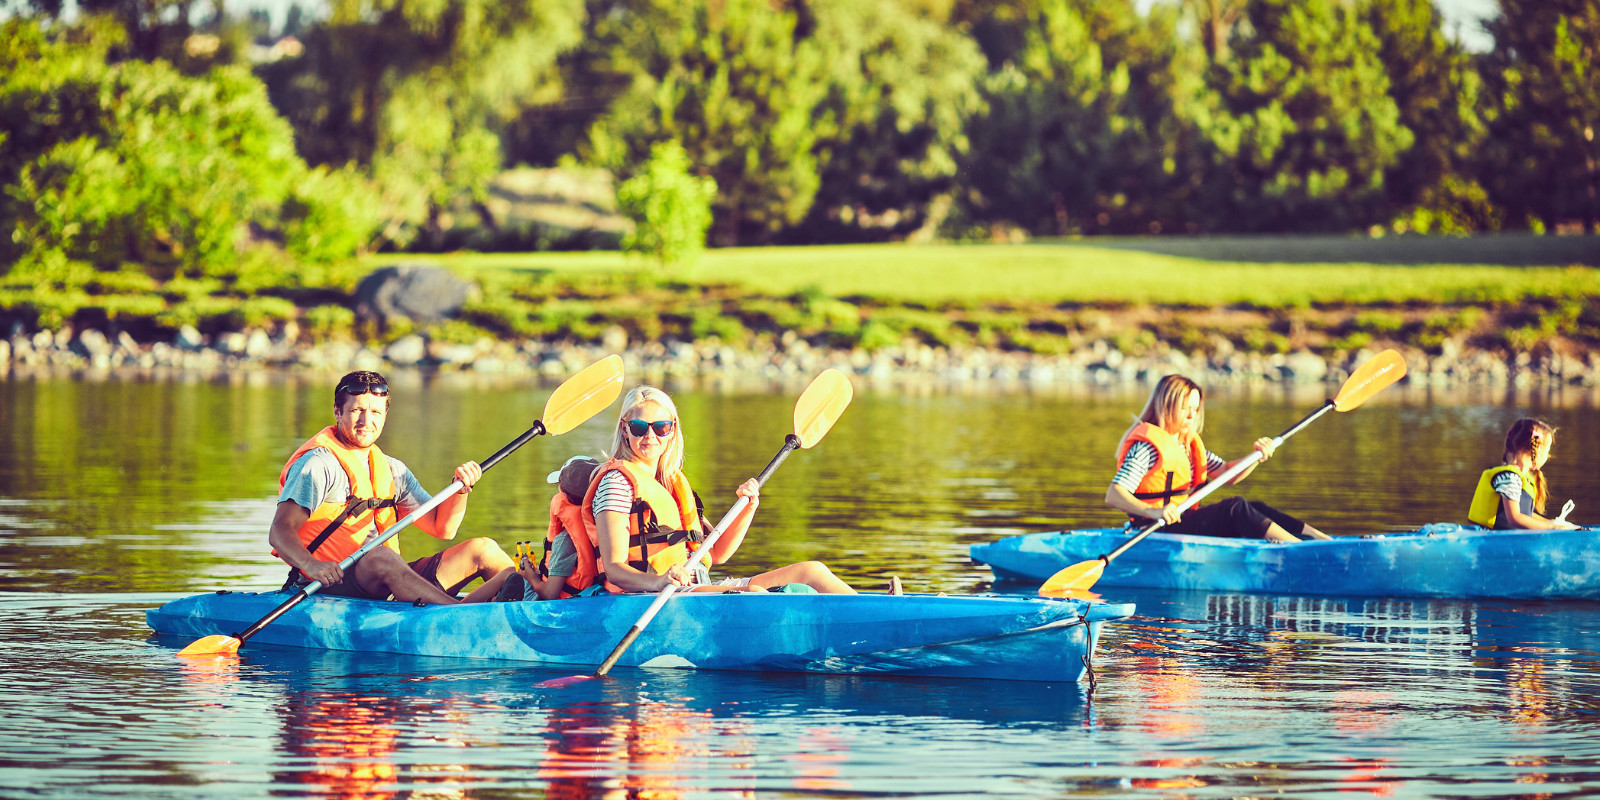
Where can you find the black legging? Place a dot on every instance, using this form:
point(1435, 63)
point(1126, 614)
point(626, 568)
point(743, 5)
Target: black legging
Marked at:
point(1237, 518)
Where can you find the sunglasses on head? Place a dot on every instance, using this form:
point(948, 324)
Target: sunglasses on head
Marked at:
point(353, 389)
point(663, 427)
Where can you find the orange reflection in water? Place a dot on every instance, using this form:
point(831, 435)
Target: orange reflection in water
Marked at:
point(1362, 712)
point(645, 750)
point(819, 752)
point(345, 743)
point(1173, 692)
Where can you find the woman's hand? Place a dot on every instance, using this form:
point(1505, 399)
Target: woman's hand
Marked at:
point(1265, 446)
point(678, 576)
point(1168, 514)
point(751, 489)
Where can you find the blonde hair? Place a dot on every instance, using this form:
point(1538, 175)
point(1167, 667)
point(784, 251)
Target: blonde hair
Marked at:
point(671, 462)
point(1166, 405)
point(1526, 436)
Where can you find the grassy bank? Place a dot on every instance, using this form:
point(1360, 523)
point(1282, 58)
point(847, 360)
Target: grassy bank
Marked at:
point(1196, 295)
point(1047, 298)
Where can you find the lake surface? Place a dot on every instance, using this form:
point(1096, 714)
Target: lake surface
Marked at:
point(119, 494)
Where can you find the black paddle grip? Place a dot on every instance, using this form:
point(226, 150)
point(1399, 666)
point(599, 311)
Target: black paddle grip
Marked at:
point(538, 428)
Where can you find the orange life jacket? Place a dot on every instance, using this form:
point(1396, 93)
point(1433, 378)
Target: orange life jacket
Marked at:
point(566, 515)
point(663, 525)
point(1180, 468)
point(336, 530)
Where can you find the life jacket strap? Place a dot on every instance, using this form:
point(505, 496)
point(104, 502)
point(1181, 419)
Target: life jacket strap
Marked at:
point(354, 505)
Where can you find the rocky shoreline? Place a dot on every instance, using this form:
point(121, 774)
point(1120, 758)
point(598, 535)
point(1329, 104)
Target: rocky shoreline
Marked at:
point(1099, 363)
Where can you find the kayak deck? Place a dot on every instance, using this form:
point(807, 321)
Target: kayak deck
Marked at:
point(1439, 560)
point(988, 636)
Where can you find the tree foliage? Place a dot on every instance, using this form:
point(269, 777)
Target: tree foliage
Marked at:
point(732, 82)
point(669, 206)
point(1543, 106)
point(109, 164)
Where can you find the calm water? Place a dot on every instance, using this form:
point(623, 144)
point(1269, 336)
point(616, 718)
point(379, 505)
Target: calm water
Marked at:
point(117, 495)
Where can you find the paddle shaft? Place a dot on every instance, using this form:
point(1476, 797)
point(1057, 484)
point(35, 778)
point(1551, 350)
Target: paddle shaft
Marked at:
point(790, 444)
point(389, 533)
point(1228, 475)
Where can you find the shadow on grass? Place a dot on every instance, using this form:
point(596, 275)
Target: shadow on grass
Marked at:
point(1516, 250)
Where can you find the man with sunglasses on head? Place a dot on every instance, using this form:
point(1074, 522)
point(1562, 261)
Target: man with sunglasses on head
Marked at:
point(339, 488)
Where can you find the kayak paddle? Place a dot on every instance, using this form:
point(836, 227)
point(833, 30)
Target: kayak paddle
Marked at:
point(1371, 377)
point(577, 399)
point(815, 412)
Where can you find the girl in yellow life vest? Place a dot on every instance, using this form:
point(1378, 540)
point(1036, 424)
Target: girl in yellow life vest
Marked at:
point(644, 520)
point(1161, 461)
point(1512, 496)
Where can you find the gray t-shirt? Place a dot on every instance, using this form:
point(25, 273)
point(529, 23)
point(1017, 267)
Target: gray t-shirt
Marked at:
point(562, 563)
point(316, 478)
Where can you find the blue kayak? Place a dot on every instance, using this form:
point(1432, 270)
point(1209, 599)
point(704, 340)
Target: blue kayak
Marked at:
point(983, 636)
point(1439, 560)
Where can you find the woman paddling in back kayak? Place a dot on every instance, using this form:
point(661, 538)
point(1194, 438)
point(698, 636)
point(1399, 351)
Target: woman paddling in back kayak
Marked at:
point(1512, 495)
point(644, 518)
point(1161, 461)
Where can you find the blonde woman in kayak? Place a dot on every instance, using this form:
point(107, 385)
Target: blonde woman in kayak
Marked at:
point(1512, 495)
point(646, 547)
point(1161, 461)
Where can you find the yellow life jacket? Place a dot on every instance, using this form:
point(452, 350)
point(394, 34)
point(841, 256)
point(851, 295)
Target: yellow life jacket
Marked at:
point(1485, 508)
point(1180, 467)
point(336, 530)
point(663, 525)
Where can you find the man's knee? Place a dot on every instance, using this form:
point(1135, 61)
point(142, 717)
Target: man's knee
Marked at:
point(483, 553)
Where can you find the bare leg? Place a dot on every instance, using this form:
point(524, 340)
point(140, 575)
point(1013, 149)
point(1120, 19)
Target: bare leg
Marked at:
point(811, 573)
point(1314, 533)
point(472, 560)
point(382, 572)
point(1275, 533)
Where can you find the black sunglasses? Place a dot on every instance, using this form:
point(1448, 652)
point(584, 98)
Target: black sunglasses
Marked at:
point(353, 389)
point(663, 427)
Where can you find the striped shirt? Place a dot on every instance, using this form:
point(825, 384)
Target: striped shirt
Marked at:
point(615, 493)
point(1141, 458)
point(1508, 484)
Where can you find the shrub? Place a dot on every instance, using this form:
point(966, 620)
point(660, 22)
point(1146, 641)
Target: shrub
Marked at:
point(329, 322)
point(670, 208)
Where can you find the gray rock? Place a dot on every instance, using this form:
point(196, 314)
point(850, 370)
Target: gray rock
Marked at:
point(257, 343)
point(188, 339)
point(1303, 366)
point(231, 342)
point(615, 339)
point(406, 351)
point(420, 293)
point(91, 343)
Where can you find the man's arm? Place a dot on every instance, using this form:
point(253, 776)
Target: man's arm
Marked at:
point(445, 519)
point(284, 538)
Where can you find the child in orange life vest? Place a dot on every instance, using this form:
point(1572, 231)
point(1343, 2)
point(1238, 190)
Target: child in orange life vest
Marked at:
point(1161, 461)
point(647, 549)
point(567, 568)
point(1512, 496)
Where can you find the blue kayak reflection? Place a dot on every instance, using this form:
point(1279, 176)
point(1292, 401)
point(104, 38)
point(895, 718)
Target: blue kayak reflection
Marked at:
point(377, 726)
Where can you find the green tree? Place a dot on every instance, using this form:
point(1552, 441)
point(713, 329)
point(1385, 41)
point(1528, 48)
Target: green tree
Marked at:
point(669, 206)
point(1436, 88)
point(901, 86)
point(1543, 107)
point(417, 92)
point(135, 163)
point(1084, 130)
point(731, 80)
point(1304, 127)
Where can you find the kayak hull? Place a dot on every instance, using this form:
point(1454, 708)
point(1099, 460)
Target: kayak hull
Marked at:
point(1440, 560)
point(997, 637)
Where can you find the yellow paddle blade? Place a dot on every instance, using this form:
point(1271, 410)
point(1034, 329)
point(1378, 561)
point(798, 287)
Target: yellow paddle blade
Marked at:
point(211, 647)
point(583, 395)
point(1369, 379)
point(1076, 578)
point(820, 405)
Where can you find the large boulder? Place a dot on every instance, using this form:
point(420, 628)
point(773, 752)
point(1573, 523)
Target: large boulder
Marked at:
point(419, 293)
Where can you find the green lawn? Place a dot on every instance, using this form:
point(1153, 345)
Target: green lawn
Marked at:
point(940, 274)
